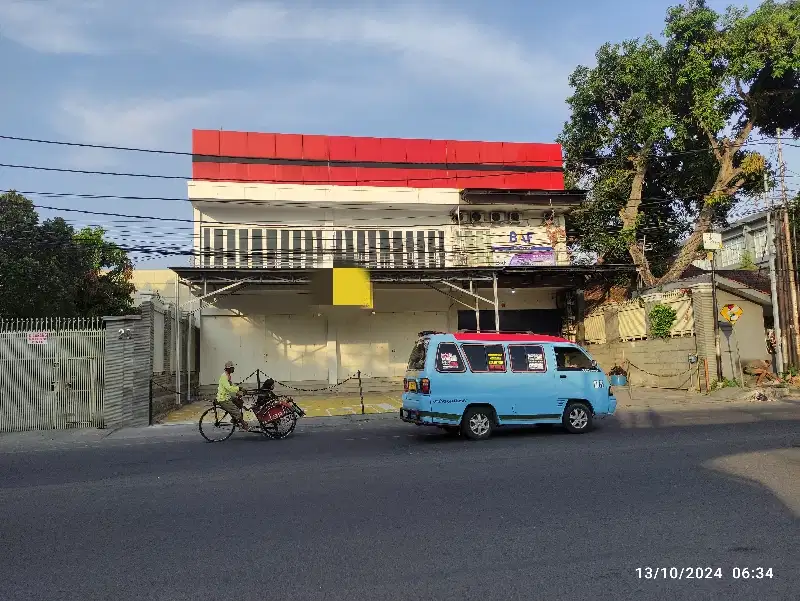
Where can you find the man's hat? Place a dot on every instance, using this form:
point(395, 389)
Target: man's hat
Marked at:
point(229, 365)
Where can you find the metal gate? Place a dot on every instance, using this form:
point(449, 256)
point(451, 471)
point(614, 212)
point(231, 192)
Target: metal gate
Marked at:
point(51, 374)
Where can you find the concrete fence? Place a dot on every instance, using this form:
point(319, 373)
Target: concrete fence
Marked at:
point(620, 334)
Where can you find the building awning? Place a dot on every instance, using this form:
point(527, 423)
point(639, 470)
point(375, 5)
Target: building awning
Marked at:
point(520, 276)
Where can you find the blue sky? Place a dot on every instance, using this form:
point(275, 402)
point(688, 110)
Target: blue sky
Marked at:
point(144, 73)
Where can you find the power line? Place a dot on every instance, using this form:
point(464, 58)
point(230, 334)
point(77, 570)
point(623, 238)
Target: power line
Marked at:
point(232, 158)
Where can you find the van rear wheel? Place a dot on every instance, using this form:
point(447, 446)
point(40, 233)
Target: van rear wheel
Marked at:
point(577, 417)
point(477, 423)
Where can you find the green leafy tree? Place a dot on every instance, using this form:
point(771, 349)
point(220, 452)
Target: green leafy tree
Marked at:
point(49, 270)
point(658, 132)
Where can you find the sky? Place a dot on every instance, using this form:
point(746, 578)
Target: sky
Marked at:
point(144, 73)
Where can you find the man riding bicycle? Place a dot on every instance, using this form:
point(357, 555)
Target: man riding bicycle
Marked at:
point(229, 396)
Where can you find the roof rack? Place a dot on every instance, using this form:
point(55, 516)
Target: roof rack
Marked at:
point(493, 332)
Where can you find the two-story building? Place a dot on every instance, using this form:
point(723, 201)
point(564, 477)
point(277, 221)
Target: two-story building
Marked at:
point(745, 244)
point(456, 235)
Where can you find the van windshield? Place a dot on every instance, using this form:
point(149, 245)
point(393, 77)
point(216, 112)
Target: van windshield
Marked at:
point(417, 360)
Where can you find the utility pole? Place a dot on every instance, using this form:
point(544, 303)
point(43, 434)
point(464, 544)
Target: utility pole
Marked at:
point(773, 284)
point(795, 326)
point(717, 346)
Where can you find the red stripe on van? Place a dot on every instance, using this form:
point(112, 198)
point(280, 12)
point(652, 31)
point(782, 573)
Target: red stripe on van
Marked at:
point(493, 337)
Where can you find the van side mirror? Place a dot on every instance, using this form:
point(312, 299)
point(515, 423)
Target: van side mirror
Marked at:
point(594, 364)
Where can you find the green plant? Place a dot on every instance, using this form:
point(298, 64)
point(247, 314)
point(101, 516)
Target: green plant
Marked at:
point(747, 262)
point(661, 319)
point(617, 371)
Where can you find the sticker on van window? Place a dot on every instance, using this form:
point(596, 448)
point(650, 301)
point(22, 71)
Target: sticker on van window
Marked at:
point(535, 362)
point(598, 384)
point(496, 361)
point(449, 361)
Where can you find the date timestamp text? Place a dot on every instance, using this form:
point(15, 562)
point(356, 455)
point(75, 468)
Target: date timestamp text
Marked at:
point(704, 573)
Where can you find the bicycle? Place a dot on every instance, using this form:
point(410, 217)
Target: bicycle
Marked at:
point(277, 416)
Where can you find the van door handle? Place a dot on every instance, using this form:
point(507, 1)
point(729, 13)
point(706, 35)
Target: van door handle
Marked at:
point(562, 376)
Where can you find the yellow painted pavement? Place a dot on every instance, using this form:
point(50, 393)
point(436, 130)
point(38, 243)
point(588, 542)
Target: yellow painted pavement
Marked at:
point(313, 406)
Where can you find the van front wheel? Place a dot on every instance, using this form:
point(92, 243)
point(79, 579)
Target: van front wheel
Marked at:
point(577, 418)
point(477, 423)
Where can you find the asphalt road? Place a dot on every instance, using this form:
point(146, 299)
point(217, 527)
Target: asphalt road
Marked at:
point(383, 510)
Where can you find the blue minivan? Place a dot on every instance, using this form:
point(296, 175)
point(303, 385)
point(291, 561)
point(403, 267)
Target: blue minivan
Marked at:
point(474, 382)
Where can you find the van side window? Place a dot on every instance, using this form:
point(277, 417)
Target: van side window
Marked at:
point(527, 358)
point(485, 358)
point(569, 358)
point(448, 359)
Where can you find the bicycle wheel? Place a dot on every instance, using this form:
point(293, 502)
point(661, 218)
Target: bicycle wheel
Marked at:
point(216, 424)
point(281, 427)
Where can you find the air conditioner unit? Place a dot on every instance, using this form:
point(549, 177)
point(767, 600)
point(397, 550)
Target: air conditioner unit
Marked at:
point(514, 217)
point(476, 217)
point(464, 216)
point(497, 217)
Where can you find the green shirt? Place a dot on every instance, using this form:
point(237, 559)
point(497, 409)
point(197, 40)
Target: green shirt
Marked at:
point(225, 390)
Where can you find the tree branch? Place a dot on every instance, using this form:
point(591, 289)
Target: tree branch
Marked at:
point(714, 145)
point(743, 135)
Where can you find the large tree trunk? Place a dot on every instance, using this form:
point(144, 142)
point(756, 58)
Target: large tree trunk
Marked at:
point(630, 214)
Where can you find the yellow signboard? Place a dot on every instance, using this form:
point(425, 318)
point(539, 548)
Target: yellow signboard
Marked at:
point(731, 313)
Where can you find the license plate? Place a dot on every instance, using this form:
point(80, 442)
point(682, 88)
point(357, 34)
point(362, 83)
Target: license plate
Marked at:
point(412, 385)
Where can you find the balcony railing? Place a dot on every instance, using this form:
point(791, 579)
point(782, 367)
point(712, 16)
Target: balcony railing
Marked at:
point(273, 248)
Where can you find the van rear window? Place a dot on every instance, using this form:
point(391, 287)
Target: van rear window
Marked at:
point(417, 360)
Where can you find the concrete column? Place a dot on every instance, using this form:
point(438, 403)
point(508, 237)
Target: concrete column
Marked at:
point(704, 317)
point(331, 350)
point(611, 315)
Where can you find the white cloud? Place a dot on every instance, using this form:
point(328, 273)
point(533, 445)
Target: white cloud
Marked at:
point(55, 27)
point(142, 122)
point(439, 47)
point(165, 122)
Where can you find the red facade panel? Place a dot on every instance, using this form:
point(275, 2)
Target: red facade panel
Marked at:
point(422, 178)
point(368, 149)
point(344, 176)
point(261, 146)
point(342, 148)
point(316, 148)
point(288, 146)
point(393, 150)
point(513, 154)
point(464, 152)
point(418, 151)
point(205, 142)
point(379, 176)
point(492, 152)
point(455, 154)
point(315, 175)
point(233, 172)
point(261, 173)
point(437, 152)
point(233, 143)
point(207, 171)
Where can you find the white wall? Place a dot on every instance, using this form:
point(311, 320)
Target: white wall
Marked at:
point(749, 332)
point(281, 333)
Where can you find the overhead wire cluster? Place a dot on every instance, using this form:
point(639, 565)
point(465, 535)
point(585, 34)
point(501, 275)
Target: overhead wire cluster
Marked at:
point(142, 236)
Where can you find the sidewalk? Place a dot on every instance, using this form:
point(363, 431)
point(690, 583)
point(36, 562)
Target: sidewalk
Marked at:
point(323, 406)
point(642, 407)
point(374, 403)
